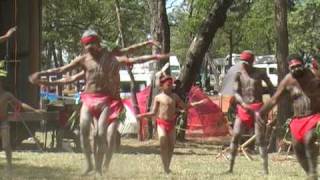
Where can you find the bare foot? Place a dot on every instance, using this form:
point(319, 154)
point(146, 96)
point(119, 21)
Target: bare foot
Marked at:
point(227, 172)
point(167, 171)
point(87, 171)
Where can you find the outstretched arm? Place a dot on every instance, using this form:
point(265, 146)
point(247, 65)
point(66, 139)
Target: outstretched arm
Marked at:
point(275, 98)
point(16, 104)
point(141, 59)
point(35, 77)
point(272, 102)
point(65, 80)
point(153, 112)
point(134, 47)
point(185, 106)
point(8, 34)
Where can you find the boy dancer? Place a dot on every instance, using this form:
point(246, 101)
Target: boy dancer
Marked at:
point(164, 107)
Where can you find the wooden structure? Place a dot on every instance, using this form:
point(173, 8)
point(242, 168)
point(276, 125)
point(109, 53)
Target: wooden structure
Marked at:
point(22, 50)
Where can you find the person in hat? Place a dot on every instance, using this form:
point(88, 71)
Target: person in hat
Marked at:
point(164, 108)
point(248, 94)
point(304, 89)
point(101, 97)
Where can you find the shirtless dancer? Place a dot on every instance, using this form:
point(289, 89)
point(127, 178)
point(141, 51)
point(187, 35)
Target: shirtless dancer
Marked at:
point(248, 94)
point(164, 107)
point(6, 100)
point(101, 97)
point(8, 34)
point(304, 89)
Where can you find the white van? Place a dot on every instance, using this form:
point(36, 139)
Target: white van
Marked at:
point(271, 70)
point(143, 74)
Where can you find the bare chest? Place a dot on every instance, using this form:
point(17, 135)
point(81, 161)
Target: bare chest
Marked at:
point(167, 101)
point(105, 67)
point(251, 80)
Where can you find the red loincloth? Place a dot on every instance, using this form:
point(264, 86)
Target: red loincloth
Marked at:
point(167, 125)
point(245, 117)
point(299, 126)
point(96, 101)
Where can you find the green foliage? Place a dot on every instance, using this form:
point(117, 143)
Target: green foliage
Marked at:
point(304, 23)
point(63, 22)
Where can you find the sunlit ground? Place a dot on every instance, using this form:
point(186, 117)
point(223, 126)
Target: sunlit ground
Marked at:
point(141, 160)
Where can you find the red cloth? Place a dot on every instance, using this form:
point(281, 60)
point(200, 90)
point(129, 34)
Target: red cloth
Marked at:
point(167, 125)
point(245, 117)
point(207, 119)
point(294, 62)
point(89, 39)
point(299, 126)
point(94, 101)
point(246, 56)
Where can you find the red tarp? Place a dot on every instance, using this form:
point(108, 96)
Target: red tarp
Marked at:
point(142, 98)
point(207, 117)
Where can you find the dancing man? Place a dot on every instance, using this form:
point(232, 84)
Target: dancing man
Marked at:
point(249, 91)
point(101, 97)
point(304, 88)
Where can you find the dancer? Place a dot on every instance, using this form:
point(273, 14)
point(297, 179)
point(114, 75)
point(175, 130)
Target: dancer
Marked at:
point(164, 108)
point(8, 100)
point(248, 94)
point(304, 89)
point(101, 97)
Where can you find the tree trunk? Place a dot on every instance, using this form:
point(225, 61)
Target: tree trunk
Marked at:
point(56, 64)
point(160, 31)
point(284, 111)
point(231, 48)
point(132, 84)
point(199, 46)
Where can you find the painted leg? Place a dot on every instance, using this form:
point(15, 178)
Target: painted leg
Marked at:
point(299, 150)
point(312, 154)
point(101, 140)
point(237, 130)
point(111, 135)
point(261, 142)
point(164, 148)
point(172, 141)
point(5, 134)
point(85, 122)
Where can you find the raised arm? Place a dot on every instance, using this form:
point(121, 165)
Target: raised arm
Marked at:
point(141, 59)
point(35, 77)
point(153, 112)
point(65, 80)
point(134, 47)
point(8, 34)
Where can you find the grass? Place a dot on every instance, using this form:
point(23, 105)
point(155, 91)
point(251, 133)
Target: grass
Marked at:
point(141, 160)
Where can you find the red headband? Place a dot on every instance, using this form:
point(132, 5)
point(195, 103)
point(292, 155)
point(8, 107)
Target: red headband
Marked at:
point(89, 39)
point(246, 56)
point(294, 62)
point(165, 79)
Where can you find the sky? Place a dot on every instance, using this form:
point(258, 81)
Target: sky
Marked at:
point(173, 3)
